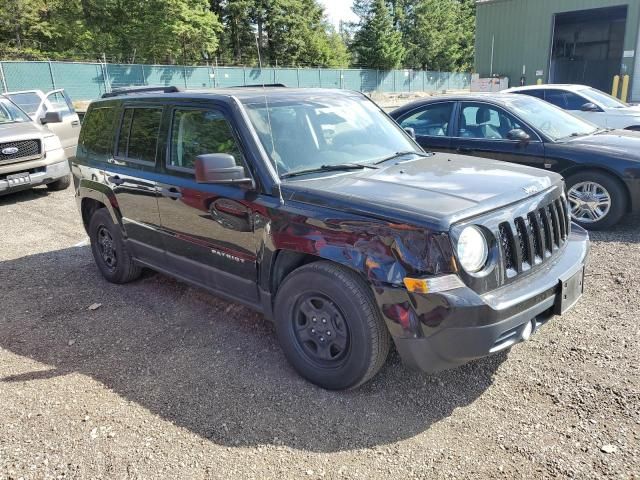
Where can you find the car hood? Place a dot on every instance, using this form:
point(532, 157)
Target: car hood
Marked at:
point(11, 132)
point(439, 190)
point(620, 143)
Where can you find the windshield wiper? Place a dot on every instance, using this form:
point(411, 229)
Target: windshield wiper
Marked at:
point(328, 168)
point(402, 154)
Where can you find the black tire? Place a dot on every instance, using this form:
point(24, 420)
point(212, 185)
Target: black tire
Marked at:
point(616, 192)
point(357, 340)
point(106, 239)
point(60, 184)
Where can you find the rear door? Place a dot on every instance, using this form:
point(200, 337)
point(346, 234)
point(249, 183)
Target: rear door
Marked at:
point(131, 174)
point(482, 131)
point(208, 229)
point(432, 124)
point(69, 129)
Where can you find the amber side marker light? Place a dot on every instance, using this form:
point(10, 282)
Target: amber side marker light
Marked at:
point(433, 284)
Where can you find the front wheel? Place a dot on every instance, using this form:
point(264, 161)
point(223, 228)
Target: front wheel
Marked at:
point(597, 200)
point(329, 326)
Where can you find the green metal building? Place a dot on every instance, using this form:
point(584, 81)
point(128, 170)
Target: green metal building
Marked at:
point(559, 41)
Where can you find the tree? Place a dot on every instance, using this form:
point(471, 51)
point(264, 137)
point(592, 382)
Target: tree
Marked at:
point(377, 43)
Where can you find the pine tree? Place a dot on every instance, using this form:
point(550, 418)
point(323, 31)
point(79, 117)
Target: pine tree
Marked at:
point(378, 44)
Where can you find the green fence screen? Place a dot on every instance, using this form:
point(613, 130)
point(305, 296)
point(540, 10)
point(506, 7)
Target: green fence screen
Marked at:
point(87, 81)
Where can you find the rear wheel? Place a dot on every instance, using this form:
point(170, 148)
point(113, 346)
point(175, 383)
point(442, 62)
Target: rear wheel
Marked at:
point(329, 326)
point(60, 184)
point(597, 200)
point(109, 249)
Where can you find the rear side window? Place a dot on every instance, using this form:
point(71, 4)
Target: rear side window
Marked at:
point(96, 136)
point(139, 131)
point(431, 121)
point(196, 132)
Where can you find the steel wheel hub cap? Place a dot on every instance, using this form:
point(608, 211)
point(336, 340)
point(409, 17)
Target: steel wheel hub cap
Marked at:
point(320, 330)
point(590, 202)
point(107, 248)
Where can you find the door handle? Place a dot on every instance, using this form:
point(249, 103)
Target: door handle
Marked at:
point(75, 123)
point(116, 180)
point(172, 193)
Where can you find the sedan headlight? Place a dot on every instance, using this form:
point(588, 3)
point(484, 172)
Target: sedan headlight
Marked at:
point(51, 143)
point(473, 250)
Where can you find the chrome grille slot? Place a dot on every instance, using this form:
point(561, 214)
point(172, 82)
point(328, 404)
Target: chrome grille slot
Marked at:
point(26, 150)
point(525, 239)
point(507, 245)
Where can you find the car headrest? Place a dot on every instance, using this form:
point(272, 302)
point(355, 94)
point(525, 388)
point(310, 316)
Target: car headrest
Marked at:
point(483, 115)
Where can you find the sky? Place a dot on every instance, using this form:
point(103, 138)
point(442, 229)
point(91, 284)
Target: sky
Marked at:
point(338, 10)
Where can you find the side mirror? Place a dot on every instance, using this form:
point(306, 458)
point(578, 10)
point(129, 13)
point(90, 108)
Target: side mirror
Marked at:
point(519, 135)
point(51, 117)
point(411, 132)
point(219, 168)
point(590, 107)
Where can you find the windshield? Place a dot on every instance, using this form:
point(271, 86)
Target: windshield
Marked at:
point(11, 113)
point(315, 132)
point(602, 98)
point(27, 101)
point(549, 119)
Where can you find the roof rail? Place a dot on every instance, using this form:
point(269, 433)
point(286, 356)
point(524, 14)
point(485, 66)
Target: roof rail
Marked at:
point(131, 90)
point(260, 85)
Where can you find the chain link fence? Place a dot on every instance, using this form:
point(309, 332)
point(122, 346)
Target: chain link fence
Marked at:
point(88, 81)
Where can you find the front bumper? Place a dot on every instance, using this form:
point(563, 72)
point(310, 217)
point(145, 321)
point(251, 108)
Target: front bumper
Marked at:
point(438, 331)
point(39, 173)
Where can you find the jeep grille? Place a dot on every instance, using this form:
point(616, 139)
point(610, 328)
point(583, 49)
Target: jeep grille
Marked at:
point(27, 150)
point(530, 240)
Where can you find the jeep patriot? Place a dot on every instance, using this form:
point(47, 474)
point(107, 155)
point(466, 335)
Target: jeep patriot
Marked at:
point(315, 208)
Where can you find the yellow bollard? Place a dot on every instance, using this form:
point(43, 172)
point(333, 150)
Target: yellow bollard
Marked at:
point(616, 82)
point(625, 88)
point(539, 82)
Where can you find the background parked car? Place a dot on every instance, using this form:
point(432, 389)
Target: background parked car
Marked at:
point(601, 166)
point(588, 103)
point(30, 154)
point(37, 103)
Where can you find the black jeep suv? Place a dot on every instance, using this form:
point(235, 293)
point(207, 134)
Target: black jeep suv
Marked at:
point(317, 209)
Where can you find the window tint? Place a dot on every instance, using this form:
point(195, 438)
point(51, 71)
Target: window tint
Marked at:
point(196, 132)
point(557, 98)
point(96, 136)
point(533, 93)
point(432, 121)
point(486, 121)
point(139, 133)
point(575, 101)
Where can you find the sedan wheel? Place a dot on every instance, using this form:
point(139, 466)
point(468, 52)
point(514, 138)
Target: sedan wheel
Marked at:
point(590, 202)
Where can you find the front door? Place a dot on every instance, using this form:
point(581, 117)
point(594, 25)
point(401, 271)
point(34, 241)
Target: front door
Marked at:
point(483, 131)
point(69, 129)
point(207, 229)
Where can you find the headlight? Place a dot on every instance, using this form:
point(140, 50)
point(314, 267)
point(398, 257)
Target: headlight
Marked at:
point(472, 249)
point(51, 143)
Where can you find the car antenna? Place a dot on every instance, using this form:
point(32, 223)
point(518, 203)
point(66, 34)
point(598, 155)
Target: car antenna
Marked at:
point(266, 106)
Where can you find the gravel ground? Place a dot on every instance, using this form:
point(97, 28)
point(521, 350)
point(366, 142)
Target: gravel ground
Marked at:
point(162, 380)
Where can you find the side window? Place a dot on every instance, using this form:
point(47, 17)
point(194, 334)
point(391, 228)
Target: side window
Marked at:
point(59, 103)
point(430, 121)
point(139, 130)
point(556, 97)
point(96, 136)
point(487, 122)
point(533, 93)
point(574, 101)
point(196, 132)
